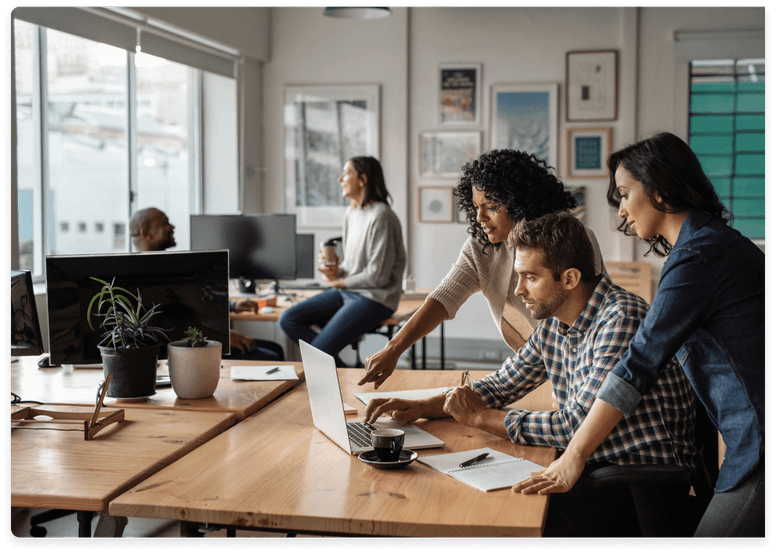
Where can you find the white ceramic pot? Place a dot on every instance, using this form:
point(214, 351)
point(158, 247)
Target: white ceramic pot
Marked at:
point(194, 372)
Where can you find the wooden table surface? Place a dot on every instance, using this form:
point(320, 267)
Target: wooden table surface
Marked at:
point(276, 471)
point(65, 385)
point(407, 306)
point(58, 469)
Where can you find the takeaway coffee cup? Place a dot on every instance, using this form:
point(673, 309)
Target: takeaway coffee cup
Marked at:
point(328, 254)
point(387, 443)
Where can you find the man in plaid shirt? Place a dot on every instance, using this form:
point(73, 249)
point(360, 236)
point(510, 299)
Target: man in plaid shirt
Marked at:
point(587, 323)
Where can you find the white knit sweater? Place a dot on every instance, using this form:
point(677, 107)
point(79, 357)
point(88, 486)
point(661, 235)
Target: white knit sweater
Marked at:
point(493, 274)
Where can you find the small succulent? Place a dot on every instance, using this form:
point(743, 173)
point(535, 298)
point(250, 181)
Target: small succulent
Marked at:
point(194, 338)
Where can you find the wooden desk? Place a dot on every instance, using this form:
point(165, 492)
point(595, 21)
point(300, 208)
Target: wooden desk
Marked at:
point(275, 471)
point(408, 304)
point(65, 385)
point(58, 469)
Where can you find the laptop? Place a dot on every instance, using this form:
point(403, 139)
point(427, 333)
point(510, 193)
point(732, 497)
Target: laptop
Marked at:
point(329, 413)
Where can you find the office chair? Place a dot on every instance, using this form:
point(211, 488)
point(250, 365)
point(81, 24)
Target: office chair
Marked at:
point(657, 490)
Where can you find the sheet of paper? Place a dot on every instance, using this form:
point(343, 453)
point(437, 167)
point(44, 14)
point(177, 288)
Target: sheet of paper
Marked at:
point(366, 397)
point(264, 372)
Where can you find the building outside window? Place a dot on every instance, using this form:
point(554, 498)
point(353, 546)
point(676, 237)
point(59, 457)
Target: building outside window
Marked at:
point(102, 132)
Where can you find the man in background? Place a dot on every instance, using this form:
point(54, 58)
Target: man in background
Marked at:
point(152, 231)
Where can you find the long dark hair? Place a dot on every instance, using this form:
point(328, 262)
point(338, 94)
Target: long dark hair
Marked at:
point(369, 168)
point(519, 181)
point(666, 166)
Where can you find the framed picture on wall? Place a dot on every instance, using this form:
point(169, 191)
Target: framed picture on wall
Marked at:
point(435, 204)
point(324, 126)
point(591, 85)
point(443, 153)
point(587, 150)
point(458, 99)
point(525, 117)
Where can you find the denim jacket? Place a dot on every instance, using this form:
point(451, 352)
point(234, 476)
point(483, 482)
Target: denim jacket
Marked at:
point(709, 311)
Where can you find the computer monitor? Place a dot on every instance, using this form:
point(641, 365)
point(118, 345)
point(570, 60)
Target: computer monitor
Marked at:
point(261, 246)
point(26, 337)
point(305, 256)
point(191, 288)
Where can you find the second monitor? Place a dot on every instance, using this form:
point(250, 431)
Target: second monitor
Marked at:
point(261, 246)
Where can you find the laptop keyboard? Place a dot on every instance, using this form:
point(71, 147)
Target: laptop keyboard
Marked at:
point(360, 433)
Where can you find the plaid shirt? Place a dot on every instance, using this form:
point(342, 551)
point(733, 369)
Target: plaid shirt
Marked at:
point(576, 360)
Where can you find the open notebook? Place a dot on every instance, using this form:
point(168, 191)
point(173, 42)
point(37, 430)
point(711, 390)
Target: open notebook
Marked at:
point(497, 471)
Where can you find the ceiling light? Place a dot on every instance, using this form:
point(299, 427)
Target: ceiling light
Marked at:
point(357, 13)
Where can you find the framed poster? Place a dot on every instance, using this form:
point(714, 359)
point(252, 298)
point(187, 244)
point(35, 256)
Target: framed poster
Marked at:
point(435, 204)
point(443, 153)
point(458, 100)
point(324, 126)
point(587, 150)
point(525, 117)
point(591, 85)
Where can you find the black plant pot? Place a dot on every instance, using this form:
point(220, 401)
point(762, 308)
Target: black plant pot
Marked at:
point(133, 370)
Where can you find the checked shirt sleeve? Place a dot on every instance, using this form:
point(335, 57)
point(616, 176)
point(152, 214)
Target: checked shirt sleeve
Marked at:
point(577, 365)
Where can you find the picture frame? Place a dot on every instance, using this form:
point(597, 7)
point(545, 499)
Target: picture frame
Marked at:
point(435, 204)
point(443, 153)
point(525, 117)
point(458, 94)
point(323, 127)
point(591, 85)
point(587, 150)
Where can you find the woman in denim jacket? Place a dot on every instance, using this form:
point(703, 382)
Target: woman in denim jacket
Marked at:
point(709, 311)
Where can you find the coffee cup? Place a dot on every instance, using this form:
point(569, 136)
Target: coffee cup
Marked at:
point(388, 443)
point(328, 254)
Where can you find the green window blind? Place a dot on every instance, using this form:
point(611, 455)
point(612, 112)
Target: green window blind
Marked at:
point(727, 133)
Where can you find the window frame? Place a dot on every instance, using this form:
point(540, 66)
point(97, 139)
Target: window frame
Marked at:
point(42, 219)
point(708, 45)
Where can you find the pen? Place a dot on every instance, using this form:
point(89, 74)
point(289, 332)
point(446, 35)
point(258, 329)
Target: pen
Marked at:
point(272, 370)
point(470, 462)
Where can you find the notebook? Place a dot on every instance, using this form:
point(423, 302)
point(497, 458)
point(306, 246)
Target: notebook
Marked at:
point(495, 472)
point(329, 415)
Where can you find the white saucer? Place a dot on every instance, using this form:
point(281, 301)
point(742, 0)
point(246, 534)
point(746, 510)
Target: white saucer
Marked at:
point(405, 458)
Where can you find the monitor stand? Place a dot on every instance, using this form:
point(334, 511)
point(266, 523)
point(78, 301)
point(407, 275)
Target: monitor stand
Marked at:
point(45, 363)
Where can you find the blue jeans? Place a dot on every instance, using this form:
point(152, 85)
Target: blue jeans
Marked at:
point(342, 316)
point(739, 512)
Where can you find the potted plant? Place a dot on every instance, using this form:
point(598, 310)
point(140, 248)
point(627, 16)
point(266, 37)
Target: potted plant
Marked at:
point(195, 365)
point(130, 345)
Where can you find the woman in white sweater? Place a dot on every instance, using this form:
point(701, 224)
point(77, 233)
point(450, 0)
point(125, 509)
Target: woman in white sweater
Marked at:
point(366, 286)
point(496, 190)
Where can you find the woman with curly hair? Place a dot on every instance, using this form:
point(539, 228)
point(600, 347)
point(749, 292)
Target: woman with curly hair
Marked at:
point(496, 190)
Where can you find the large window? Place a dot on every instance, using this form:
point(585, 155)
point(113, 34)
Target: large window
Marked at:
point(727, 133)
point(102, 132)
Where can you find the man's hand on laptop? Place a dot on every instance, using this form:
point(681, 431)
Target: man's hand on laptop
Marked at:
point(402, 410)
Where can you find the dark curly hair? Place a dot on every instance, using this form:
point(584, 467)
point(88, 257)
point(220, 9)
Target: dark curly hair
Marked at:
point(519, 181)
point(665, 165)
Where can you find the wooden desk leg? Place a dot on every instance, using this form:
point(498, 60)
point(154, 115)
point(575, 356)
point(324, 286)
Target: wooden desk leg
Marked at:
point(442, 345)
point(85, 524)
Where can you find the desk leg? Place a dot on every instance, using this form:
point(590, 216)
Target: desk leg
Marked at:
point(85, 524)
point(110, 527)
point(442, 344)
point(423, 353)
point(412, 357)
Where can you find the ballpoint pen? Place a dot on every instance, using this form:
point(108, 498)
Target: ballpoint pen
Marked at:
point(272, 370)
point(470, 462)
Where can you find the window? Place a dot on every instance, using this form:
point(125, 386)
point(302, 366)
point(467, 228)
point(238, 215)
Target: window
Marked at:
point(103, 131)
point(727, 133)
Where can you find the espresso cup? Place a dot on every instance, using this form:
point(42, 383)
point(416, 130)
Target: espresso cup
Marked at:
point(387, 443)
